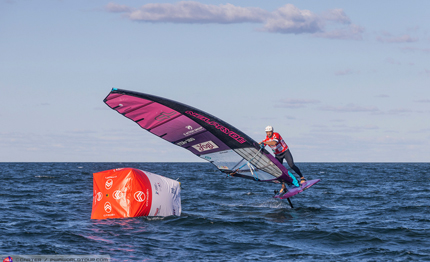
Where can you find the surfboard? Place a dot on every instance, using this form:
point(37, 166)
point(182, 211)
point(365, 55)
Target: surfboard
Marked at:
point(296, 190)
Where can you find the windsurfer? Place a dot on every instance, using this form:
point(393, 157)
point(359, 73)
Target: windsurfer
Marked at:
point(281, 150)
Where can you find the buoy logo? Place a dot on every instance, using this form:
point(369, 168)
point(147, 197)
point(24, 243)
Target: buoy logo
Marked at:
point(108, 207)
point(139, 196)
point(109, 184)
point(8, 259)
point(99, 196)
point(118, 194)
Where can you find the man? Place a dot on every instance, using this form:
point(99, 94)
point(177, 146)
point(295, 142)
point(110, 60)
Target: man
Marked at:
point(281, 150)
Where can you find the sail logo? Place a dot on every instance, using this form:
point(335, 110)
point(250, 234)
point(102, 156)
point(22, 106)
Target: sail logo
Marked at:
point(186, 141)
point(205, 146)
point(109, 184)
point(164, 116)
point(218, 126)
point(118, 194)
point(193, 131)
point(189, 127)
point(108, 207)
point(139, 196)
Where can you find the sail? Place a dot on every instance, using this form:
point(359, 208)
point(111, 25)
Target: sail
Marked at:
point(203, 134)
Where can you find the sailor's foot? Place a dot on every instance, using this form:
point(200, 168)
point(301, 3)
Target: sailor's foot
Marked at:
point(302, 181)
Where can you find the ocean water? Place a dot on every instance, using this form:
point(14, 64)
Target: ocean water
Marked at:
point(358, 212)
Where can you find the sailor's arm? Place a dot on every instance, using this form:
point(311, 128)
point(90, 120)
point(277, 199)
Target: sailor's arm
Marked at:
point(270, 143)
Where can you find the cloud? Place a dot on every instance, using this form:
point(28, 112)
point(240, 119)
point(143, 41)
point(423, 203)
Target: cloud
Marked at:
point(388, 38)
point(336, 15)
point(349, 108)
point(192, 12)
point(353, 32)
point(295, 103)
point(287, 19)
point(382, 96)
point(115, 8)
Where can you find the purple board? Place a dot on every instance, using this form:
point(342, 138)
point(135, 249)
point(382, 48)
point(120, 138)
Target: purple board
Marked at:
point(295, 190)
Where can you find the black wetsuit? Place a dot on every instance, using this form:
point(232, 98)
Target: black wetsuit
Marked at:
point(287, 155)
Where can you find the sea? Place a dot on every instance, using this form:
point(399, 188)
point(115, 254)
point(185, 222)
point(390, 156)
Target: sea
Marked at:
point(357, 212)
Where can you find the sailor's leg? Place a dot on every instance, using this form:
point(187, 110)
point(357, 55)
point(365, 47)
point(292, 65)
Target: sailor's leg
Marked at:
point(290, 162)
point(280, 158)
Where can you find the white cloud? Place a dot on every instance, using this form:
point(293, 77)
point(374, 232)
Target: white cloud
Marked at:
point(290, 19)
point(287, 19)
point(115, 8)
point(388, 38)
point(350, 32)
point(194, 12)
point(336, 15)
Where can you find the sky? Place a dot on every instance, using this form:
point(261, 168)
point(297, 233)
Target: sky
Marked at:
point(341, 81)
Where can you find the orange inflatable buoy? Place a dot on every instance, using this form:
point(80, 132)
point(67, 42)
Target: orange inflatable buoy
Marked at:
point(129, 192)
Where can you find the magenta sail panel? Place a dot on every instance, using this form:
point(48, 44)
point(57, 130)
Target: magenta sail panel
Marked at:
point(152, 115)
point(124, 104)
point(178, 129)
